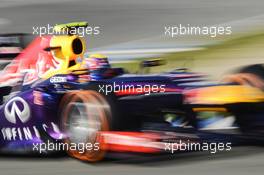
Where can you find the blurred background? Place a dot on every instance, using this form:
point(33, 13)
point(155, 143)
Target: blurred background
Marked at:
point(134, 30)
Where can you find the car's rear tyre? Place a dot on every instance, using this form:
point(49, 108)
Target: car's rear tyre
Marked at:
point(249, 119)
point(84, 114)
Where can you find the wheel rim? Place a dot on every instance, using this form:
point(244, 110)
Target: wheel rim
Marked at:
point(83, 118)
point(80, 126)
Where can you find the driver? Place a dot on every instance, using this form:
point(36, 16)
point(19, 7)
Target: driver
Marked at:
point(95, 61)
point(98, 66)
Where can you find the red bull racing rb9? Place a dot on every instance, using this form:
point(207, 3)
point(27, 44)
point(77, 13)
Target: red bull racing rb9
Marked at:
point(52, 92)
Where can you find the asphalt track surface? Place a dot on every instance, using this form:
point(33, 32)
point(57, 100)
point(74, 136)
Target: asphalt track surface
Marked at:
point(239, 161)
point(125, 21)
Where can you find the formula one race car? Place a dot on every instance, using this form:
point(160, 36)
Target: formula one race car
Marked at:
point(51, 92)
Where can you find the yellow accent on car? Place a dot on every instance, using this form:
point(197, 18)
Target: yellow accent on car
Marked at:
point(61, 27)
point(227, 94)
point(209, 109)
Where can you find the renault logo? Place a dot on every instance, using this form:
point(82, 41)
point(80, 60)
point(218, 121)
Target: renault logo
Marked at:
point(17, 108)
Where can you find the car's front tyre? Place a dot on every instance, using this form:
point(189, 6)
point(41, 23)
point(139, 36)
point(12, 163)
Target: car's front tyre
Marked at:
point(84, 114)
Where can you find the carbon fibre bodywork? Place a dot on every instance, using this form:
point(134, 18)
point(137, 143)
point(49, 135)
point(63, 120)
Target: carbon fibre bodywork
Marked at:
point(30, 109)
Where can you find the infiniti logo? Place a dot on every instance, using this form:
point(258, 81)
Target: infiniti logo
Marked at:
point(13, 110)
